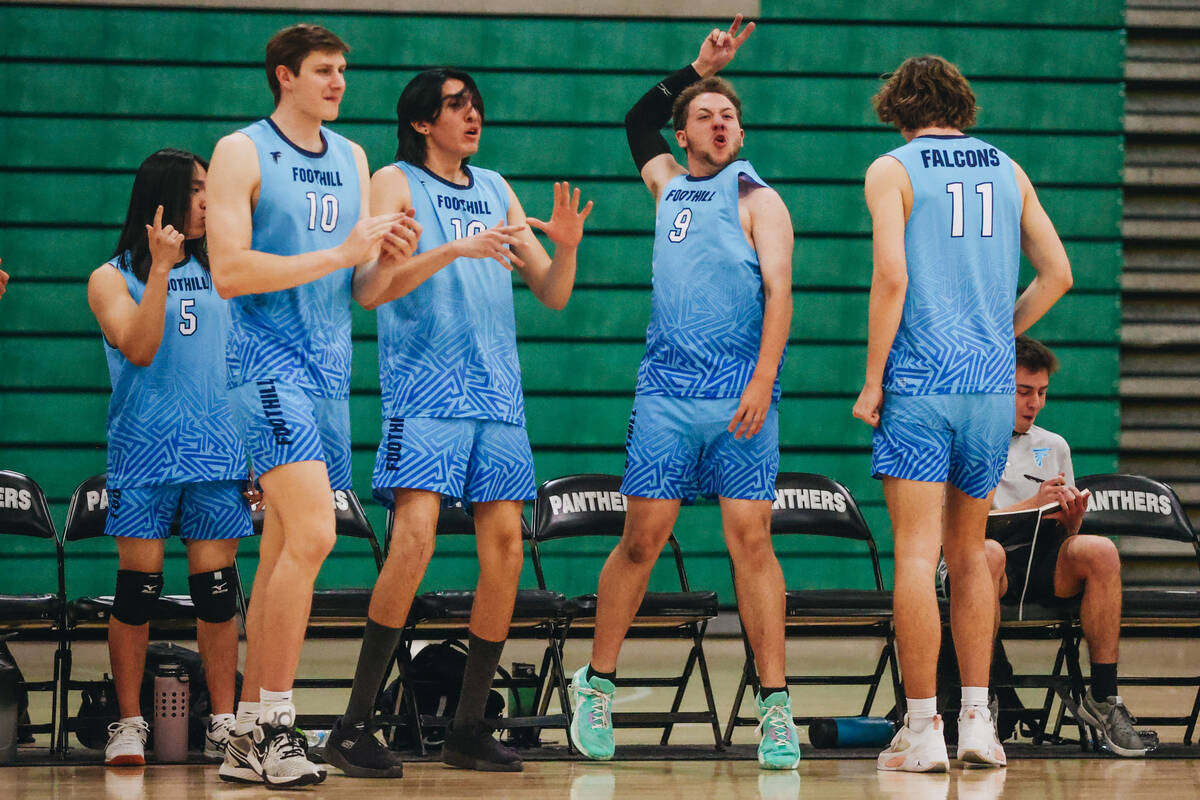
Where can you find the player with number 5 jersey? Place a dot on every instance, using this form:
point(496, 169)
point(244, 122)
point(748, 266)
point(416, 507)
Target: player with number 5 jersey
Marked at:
point(174, 450)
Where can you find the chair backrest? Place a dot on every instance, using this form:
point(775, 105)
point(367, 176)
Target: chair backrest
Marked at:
point(23, 507)
point(1134, 505)
point(811, 504)
point(88, 510)
point(579, 505)
point(815, 505)
point(586, 505)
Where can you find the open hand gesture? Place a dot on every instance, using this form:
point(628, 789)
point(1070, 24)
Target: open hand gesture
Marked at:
point(164, 243)
point(496, 242)
point(565, 227)
point(720, 47)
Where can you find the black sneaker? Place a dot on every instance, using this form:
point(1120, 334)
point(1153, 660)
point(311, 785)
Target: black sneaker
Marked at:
point(356, 751)
point(476, 748)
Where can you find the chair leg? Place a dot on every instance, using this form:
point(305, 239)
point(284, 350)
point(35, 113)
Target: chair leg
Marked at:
point(684, 677)
point(743, 682)
point(1191, 728)
point(708, 692)
point(897, 687)
point(876, 679)
point(64, 685)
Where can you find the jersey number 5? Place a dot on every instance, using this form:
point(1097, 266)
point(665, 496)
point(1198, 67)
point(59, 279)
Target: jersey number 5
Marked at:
point(679, 228)
point(984, 190)
point(188, 324)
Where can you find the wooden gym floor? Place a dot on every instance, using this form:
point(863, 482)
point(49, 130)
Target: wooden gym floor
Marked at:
point(823, 774)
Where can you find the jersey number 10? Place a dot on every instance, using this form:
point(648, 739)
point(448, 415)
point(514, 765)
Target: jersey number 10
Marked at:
point(329, 211)
point(984, 190)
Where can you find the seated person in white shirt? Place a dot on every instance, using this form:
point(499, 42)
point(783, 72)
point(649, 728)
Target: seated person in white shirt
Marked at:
point(1071, 566)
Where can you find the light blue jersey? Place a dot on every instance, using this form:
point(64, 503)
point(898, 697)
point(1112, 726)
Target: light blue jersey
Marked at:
point(962, 245)
point(306, 202)
point(706, 312)
point(449, 347)
point(170, 422)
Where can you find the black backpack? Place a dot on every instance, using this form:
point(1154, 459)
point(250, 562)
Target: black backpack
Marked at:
point(435, 677)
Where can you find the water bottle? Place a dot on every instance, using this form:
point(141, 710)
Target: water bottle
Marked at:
point(851, 732)
point(171, 692)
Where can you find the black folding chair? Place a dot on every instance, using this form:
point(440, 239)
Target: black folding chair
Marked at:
point(814, 505)
point(577, 506)
point(1137, 506)
point(173, 616)
point(445, 614)
point(24, 512)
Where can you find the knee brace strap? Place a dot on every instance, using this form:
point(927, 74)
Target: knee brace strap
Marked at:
point(137, 592)
point(214, 594)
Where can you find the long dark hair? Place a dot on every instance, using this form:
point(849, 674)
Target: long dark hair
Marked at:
point(421, 101)
point(164, 179)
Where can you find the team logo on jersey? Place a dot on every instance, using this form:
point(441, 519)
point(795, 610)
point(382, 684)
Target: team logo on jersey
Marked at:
point(275, 154)
point(1039, 454)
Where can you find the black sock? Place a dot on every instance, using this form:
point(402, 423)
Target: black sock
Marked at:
point(608, 676)
point(482, 659)
point(378, 645)
point(1104, 681)
point(764, 692)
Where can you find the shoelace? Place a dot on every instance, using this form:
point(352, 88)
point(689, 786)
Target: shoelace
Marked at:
point(129, 728)
point(288, 744)
point(777, 717)
point(599, 715)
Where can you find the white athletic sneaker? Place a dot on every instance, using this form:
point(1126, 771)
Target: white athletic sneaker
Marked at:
point(916, 752)
point(215, 736)
point(242, 763)
point(126, 744)
point(284, 751)
point(977, 742)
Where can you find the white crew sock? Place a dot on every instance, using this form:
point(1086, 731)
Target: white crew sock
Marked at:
point(974, 697)
point(138, 720)
point(270, 703)
point(247, 713)
point(921, 711)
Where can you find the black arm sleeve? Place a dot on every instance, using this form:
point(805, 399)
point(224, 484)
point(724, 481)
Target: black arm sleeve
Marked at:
point(643, 123)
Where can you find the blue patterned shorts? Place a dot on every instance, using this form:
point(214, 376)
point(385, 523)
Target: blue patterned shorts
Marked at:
point(208, 510)
point(473, 460)
point(681, 447)
point(284, 424)
point(960, 438)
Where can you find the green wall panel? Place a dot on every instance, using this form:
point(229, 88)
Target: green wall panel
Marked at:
point(92, 90)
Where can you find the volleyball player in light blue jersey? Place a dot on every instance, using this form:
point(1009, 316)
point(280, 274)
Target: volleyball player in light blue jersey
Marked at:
point(453, 413)
point(174, 450)
point(704, 416)
point(950, 214)
point(289, 220)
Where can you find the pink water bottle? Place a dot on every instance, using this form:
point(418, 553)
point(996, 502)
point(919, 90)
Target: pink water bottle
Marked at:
point(171, 691)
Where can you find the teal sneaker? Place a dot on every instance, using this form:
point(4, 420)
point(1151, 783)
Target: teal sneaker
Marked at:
point(591, 726)
point(779, 747)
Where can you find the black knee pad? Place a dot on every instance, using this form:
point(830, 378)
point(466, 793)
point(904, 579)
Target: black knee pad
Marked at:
point(214, 594)
point(136, 594)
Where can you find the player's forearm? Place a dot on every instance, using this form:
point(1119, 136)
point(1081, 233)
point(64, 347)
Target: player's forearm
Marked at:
point(412, 273)
point(369, 284)
point(1038, 298)
point(242, 272)
point(558, 280)
point(886, 307)
point(142, 333)
point(644, 122)
point(777, 324)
